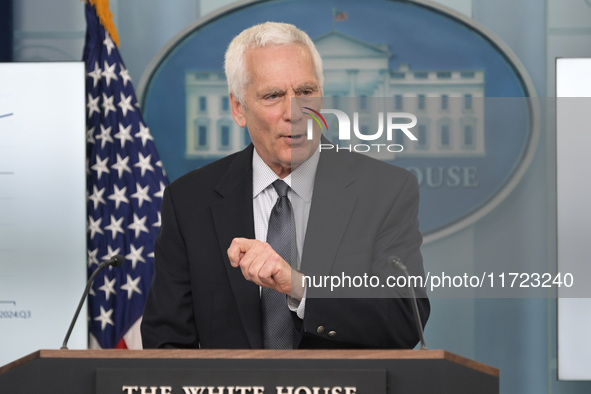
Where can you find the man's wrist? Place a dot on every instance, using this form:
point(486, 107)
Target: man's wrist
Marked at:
point(297, 288)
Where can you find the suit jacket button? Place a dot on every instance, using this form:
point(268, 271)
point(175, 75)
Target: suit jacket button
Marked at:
point(320, 330)
point(332, 334)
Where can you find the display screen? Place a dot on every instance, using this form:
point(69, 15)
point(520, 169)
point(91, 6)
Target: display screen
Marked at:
point(42, 206)
point(573, 139)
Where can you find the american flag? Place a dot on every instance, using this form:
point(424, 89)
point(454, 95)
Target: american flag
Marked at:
point(339, 16)
point(125, 182)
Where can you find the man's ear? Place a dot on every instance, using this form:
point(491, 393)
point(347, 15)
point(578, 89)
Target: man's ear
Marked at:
point(238, 111)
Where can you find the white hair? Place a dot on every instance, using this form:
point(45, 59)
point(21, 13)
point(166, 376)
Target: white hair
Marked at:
point(258, 36)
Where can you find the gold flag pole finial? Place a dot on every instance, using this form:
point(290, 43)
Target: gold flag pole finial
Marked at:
point(106, 18)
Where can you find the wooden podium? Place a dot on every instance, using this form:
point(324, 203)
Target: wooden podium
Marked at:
point(246, 371)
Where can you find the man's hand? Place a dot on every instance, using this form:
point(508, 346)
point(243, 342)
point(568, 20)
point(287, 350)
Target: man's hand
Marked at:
point(262, 265)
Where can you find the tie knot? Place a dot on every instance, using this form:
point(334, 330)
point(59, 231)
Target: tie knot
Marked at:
point(281, 187)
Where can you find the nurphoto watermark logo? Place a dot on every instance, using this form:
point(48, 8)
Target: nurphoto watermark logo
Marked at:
point(394, 121)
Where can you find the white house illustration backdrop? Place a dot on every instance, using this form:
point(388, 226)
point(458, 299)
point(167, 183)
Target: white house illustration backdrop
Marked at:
point(447, 103)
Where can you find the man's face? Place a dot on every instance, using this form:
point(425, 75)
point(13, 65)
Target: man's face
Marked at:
point(278, 73)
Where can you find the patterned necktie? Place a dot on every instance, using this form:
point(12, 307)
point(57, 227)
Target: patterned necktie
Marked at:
point(277, 324)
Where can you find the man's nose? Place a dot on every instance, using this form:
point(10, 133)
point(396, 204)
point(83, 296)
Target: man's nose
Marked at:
point(293, 109)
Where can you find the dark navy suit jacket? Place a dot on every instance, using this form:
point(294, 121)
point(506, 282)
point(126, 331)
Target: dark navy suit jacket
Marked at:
point(363, 213)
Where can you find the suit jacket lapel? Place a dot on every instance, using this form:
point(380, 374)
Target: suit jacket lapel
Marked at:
point(332, 206)
point(233, 217)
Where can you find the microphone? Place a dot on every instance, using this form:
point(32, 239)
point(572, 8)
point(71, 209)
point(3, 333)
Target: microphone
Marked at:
point(115, 261)
point(415, 307)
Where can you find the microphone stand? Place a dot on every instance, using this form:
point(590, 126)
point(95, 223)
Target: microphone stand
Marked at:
point(415, 306)
point(115, 261)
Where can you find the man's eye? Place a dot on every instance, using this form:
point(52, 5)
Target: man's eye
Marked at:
point(306, 92)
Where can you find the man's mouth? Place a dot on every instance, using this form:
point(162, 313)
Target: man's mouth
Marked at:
point(295, 139)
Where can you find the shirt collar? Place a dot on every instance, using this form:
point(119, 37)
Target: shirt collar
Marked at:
point(301, 180)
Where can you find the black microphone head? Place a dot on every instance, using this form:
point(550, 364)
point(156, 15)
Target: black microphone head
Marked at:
point(116, 261)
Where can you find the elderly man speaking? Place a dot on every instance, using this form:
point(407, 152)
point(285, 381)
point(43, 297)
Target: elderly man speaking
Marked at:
point(239, 235)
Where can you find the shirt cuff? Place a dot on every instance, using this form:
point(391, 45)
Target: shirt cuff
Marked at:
point(299, 307)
